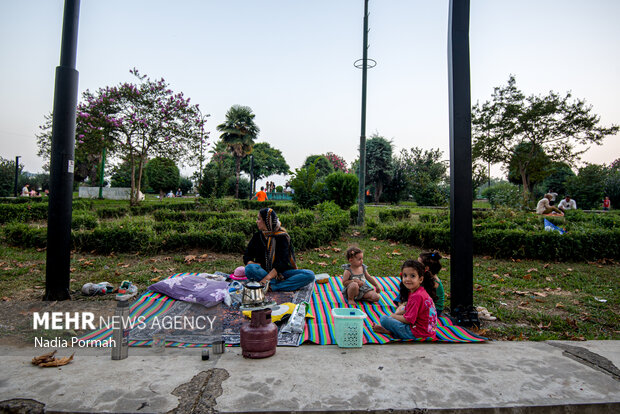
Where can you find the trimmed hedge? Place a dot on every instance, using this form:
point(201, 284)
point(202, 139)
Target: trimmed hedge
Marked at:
point(83, 220)
point(394, 214)
point(277, 207)
point(510, 243)
point(23, 212)
point(182, 216)
point(224, 232)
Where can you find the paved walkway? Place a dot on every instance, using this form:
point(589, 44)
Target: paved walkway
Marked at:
point(496, 377)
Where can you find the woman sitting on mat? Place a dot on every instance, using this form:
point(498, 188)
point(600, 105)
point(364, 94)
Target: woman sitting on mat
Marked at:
point(416, 319)
point(270, 256)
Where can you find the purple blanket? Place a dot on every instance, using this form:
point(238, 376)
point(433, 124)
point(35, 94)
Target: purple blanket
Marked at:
point(192, 288)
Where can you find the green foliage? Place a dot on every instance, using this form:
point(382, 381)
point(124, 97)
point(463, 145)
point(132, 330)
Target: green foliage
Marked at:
point(342, 188)
point(112, 212)
point(556, 124)
point(238, 134)
point(612, 184)
point(21, 234)
point(267, 161)
point(23, 213)
point(121, 177)
point(309, 190)
point(7, 177)
point(244, 189)
point(379, 167)
point(163, 175)
point(503, 195)
point(588, 187)
point(394, 214)
point(216, 172)
point(520, 236)
point(186, 185)
point(330, 224)
point(323, 165)
point(529, 162)
point(559, 173)
point(278, 207)
point(191, 216)
point(304, 218)
point(83, 220)
point(279, 189)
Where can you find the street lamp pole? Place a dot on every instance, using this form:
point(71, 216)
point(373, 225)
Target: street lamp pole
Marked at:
point(57, 268)
point(362, 164)
point(16, 174)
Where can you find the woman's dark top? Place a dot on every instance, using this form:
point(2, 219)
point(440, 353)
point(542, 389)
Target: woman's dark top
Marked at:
point(256, 250)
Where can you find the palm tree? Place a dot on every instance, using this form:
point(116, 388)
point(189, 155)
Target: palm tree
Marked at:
point(238, 133)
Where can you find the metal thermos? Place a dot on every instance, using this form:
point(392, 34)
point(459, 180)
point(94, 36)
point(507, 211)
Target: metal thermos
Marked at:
point(120, 334)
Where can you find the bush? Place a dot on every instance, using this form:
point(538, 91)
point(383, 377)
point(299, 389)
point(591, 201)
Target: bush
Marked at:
point(394, 214)
point(191, 216)
point(503, 195)
point(23, 213)
point(305, 218)
point(83, 220)
point(23, 235)
point(589, 237)
point(342, 188)
point(245, 188)
point(112, 212)
point(215, 240)
point(278, 207)
point(588, 187)
point(279, 189)
point(309, 190)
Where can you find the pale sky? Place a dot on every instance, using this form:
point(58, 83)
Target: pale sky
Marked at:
point(291, 61)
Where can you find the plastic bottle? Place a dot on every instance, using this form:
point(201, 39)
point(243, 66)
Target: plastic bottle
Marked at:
point(296, 322)
point(120, 334)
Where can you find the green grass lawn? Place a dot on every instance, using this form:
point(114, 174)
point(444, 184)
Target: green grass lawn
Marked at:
point(532, 300)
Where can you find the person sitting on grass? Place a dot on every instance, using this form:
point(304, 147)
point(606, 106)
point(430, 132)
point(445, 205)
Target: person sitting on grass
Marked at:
point(269, 256)
point(417, 318)
point(354, 279)
point(567, 204)
point(543, 206)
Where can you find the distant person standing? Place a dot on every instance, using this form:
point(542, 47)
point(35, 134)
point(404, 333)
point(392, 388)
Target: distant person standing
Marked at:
point(606, 204)
point(26, 190)
point(567, 204)
point(261, 195)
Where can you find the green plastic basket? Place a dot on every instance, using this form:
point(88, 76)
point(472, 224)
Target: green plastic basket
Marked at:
point(349, 323)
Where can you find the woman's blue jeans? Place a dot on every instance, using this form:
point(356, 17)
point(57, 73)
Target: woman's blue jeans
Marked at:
point(398, 329)
point(293, 279)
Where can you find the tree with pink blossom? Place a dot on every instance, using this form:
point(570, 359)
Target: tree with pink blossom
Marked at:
point(337, 161)
point(136, 122)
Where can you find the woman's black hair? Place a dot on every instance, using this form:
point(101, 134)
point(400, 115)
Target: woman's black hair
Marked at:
point(428, 284)
point(432, 260)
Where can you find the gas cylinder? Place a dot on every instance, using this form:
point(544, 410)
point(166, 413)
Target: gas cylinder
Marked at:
point(259, 337)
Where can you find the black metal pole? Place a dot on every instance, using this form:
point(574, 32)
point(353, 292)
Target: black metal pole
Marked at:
point(15, 189)
point(461, 263)
point(58, 271)
point(362, 165)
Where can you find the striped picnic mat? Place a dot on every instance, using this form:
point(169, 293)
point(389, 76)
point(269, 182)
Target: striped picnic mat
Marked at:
point(149, 305)
point(327, 296)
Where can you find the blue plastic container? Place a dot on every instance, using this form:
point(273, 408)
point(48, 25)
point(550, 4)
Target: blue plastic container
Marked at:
point(349, 323)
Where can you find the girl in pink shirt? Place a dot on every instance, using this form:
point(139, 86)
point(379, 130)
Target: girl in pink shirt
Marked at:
point(416, 317)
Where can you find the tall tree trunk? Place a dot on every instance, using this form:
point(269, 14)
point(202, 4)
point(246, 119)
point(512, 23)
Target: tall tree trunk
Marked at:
point(238, 169)
point(526, 187)
point(378, 190)
point(133, 179)
point(140, 169)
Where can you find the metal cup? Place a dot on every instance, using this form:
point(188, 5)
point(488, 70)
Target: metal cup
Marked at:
point(218, 347)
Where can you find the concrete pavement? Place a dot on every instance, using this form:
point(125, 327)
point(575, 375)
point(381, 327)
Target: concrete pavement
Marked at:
point(494, 377)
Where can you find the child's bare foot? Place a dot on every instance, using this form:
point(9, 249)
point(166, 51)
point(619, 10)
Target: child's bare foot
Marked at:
point(379, 329)
point(351, 302)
